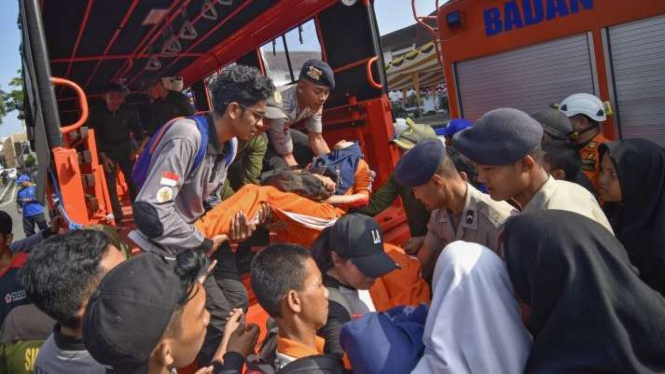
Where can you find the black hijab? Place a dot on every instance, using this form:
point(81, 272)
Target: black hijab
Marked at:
point(590, 313)
point(639, 220)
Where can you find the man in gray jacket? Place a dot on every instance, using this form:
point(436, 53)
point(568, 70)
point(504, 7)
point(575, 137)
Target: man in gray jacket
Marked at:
point(171, 197)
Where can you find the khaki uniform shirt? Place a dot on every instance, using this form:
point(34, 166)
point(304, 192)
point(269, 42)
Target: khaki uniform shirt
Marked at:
point(278, 132)
point(481, 221)
point(562, 195)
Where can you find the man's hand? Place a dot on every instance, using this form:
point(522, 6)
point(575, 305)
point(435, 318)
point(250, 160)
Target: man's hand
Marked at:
point(268, 221)
point(413, 245)
point(241, 228)
point(107, 163)
point(54, 224)
point(327, 182)
point(244, 339)
point(217, 240)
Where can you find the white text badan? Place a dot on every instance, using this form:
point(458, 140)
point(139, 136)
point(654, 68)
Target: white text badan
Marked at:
point(530, 13)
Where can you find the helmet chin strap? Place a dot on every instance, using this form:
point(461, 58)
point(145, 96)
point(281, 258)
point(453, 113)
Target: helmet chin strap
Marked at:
point(576, 134)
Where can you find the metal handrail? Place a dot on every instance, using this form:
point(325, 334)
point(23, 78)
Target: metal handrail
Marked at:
point(83, 101)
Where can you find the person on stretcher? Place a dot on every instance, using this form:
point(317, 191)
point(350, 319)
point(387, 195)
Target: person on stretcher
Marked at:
point(299, 219)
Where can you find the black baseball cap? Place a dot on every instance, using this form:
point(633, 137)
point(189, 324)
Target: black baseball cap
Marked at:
point(358, 238)
point(127, 316)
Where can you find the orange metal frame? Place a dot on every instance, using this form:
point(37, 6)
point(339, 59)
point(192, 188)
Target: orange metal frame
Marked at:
point(469, 40)
point(70, 171)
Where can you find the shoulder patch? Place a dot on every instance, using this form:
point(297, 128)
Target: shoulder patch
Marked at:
point(591, 145)
point(589, 165)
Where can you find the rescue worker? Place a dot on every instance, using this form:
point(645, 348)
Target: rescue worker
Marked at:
point(172, 196)
point(302, 101)
point(461, 212)
point(28, 205)
point(417, 215)
point(586, 113)
point(505, 143)
point(166, 105)
point(115, 123)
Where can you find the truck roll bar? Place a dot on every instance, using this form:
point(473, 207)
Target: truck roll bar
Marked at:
point(83, 101)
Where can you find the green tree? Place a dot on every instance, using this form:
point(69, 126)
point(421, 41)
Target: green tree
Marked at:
point(12, 100)
point(30, 161)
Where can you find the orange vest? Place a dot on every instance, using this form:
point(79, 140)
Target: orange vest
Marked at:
point(591, 159)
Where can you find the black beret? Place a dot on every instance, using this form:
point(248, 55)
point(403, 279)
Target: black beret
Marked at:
point(318, 72)
point(419, 165)
point(500, 137)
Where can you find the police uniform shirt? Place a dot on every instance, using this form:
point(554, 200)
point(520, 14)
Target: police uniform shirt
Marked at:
point(480, 222)
point(562, 195)
point(279, 129)
point(113, 130)
point(171, 199)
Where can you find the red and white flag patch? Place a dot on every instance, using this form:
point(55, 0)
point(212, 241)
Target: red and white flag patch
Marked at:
point(170, 179)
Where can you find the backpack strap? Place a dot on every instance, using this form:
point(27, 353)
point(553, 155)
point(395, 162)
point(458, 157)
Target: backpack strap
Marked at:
point(204, 130)
point(337, 296)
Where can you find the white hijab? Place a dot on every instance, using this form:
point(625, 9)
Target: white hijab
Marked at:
point(474, 325)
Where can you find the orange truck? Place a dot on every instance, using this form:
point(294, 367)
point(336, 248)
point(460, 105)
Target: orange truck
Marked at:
point(82, 46)
point(529, 54)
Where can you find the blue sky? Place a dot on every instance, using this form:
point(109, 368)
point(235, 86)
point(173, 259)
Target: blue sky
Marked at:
point(10, 38)
point(391, 15)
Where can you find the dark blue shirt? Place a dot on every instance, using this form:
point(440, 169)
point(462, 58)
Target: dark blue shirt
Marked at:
point(27, 200)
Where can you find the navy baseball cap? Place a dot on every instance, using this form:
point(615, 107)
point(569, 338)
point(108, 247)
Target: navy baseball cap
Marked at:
point(126, 317)
point(455, 126)
point(23, 178)
point(318, 72)
point(358, 237)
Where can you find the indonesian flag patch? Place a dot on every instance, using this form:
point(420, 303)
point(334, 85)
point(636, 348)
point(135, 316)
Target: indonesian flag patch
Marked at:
point(169, 179)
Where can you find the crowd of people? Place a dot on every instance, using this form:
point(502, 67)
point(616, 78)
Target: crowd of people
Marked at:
point(537, 245)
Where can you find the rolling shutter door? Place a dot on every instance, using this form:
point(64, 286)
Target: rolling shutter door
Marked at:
point(638, 68)
point(530, 78)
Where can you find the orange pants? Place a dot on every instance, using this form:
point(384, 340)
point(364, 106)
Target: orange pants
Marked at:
point(404, 286)
point(249, 199)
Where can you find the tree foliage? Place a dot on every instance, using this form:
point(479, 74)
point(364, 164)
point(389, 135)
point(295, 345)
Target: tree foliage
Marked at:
point(13, 99)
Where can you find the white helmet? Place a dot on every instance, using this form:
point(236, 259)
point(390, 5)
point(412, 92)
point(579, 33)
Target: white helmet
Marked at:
point(584, 103)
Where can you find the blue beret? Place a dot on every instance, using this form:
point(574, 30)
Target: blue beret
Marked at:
point(418, 165)
point(318, 72)
point(500, 137)
point(455, 126)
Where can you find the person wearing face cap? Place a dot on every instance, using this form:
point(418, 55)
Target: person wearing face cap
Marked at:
point(148, 316)
point(301, 102)
point(461, 212)
point(505, 143)
point(362, 274)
